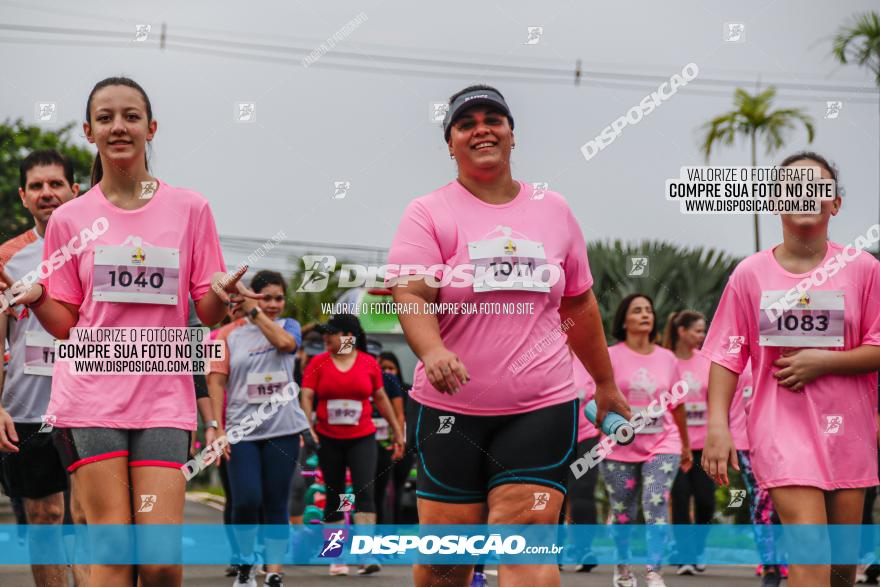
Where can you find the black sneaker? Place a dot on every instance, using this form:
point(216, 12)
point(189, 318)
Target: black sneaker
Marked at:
point(231, 570)
point(771, 577)
point(246, 576)
point(872, 574)
point(273, 580)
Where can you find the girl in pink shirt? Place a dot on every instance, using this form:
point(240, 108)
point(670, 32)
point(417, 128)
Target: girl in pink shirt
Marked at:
point(683, 335)
point(125, 437)
point(811, 423)
point(645, 372)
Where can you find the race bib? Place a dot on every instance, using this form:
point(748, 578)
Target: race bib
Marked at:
point(39, 353)
point(381, 425)
point(261, 386)
point(344, 412)
point(696, 413)
point(509, 264)
point(652, 425)
point(817, 320)
point(136, 275)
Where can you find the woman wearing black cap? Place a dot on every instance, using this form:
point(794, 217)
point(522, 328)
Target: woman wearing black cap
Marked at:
point(344, 379)
point(494, 410)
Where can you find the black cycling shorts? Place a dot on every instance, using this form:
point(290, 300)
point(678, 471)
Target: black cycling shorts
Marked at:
point(461, 457)
point(35, 471)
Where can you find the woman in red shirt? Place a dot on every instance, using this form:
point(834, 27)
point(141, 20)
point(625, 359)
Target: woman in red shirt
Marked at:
point(344, 379)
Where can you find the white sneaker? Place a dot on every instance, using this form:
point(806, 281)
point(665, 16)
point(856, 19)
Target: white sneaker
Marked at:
point(246, 577)
point(654, 579)
point(623, 576)
point(861, 577)
point(336, 570)
point(700, 568)
point(686, 570)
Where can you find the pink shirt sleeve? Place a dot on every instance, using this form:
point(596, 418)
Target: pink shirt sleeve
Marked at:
point(415, 243)
point(870, 326)
point(727, 342)
point(207, 258)
point(578, 278)
point(63, 283)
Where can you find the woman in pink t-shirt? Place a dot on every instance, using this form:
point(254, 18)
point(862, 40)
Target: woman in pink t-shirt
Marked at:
point(683, 335)
point(646, 373)
point(125, 437)
point(494, 413)
point(807, 314)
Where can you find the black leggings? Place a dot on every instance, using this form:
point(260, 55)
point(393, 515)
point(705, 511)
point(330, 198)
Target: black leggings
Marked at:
point(694, 483)
point(359, 455)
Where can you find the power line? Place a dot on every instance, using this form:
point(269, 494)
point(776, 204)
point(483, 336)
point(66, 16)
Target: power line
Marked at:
point(204, 45)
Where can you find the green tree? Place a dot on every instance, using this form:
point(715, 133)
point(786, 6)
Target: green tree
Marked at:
point(859, 43)
point(676, 278)
point(752, 118)
point(17, 139)
point(305, 307)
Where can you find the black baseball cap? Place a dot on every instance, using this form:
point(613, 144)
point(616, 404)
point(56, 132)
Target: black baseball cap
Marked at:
point(340, 323)
point(469, 100)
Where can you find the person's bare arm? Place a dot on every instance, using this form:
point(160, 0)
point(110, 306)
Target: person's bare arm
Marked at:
point(586, 336)
point(380, 399)
point(216, 385)
point(803, 366)
point(680, 416)
point(444, 369)
point(719, 449)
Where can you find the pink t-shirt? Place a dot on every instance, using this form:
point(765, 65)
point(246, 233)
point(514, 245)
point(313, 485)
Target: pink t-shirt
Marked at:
point(518, 360)
point(695, 372)
point(584, 384)
point(175, 223)
point(823, 436)
point(739, 407)
point(641, 379)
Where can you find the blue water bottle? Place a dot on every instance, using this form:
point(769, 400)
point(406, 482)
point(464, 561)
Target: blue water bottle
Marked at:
point(613, 425)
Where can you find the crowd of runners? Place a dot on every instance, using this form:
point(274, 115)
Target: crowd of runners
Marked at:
point(485, 440)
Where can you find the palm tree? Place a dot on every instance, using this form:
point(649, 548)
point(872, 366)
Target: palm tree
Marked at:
point(678, 278)
point(860, 43)
point(752, 118)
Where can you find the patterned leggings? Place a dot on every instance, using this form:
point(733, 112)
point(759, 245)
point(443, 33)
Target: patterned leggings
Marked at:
point(623, 480)
point(760, 507)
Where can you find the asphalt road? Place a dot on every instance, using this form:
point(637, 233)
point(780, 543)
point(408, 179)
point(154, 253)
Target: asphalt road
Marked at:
point(200, 512)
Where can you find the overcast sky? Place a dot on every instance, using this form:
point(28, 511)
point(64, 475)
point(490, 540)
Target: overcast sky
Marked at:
point(334, 121)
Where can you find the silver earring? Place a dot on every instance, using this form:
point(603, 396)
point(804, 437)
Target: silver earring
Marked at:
point(451, 156)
